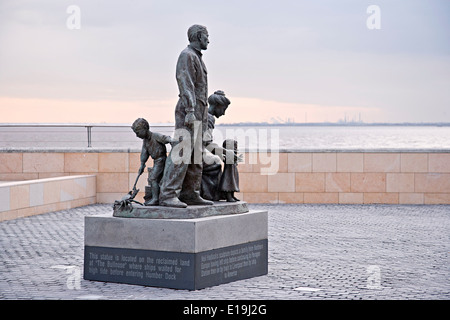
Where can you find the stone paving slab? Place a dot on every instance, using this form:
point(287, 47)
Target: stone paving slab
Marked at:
point(326, 252)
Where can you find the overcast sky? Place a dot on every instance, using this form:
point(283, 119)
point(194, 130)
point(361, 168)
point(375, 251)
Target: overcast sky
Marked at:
point(304, 60)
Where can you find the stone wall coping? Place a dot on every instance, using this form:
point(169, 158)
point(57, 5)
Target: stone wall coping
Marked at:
point(137, 150)
point(26, 182)
point(69, 150)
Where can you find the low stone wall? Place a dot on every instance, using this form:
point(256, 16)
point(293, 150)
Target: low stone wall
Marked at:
point(345, 177)
point(31, 197)
point(115, 169)
point(395, 177)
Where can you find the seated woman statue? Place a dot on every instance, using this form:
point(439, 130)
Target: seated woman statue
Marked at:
point(214, 154)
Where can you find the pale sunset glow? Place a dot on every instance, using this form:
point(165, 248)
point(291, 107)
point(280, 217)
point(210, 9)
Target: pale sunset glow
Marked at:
point(161, 111)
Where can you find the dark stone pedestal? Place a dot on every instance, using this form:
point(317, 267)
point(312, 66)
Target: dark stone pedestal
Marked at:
point(189, 254)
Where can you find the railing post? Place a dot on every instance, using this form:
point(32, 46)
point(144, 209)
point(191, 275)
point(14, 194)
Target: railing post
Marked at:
point(89, 136)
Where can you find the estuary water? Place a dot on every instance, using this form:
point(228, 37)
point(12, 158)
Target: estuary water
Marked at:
point(345, 137)
point(249, 137)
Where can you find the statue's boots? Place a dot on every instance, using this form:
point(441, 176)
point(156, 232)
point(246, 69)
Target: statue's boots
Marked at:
point(154, 200)
point(172, 202)
point(195, 200)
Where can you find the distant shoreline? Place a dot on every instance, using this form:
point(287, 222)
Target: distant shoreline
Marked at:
point(243, 124)
point(337, 124)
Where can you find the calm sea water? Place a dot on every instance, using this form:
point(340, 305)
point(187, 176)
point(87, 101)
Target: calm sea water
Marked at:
point(262, 137)
point(348, 137)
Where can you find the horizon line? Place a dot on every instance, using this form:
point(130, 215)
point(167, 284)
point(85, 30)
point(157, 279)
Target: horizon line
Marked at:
point(245, 123)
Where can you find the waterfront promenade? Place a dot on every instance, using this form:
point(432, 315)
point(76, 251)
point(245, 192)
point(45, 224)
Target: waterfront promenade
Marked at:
point(328, 251)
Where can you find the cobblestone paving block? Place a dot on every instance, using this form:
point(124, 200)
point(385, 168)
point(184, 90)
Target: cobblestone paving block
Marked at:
point(315, 252)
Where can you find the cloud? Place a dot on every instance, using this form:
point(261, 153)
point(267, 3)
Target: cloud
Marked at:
point(300, 56)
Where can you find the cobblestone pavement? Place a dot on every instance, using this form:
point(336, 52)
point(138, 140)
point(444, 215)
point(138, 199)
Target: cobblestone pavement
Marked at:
point(315, 252)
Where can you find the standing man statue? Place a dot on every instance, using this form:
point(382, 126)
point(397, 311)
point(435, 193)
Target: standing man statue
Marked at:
point(181, 182)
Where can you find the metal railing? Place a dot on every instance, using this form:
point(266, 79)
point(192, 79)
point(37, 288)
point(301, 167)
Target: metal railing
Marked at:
point(87, 126)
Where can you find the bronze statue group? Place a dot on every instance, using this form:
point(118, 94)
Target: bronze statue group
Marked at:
point(192, 172)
